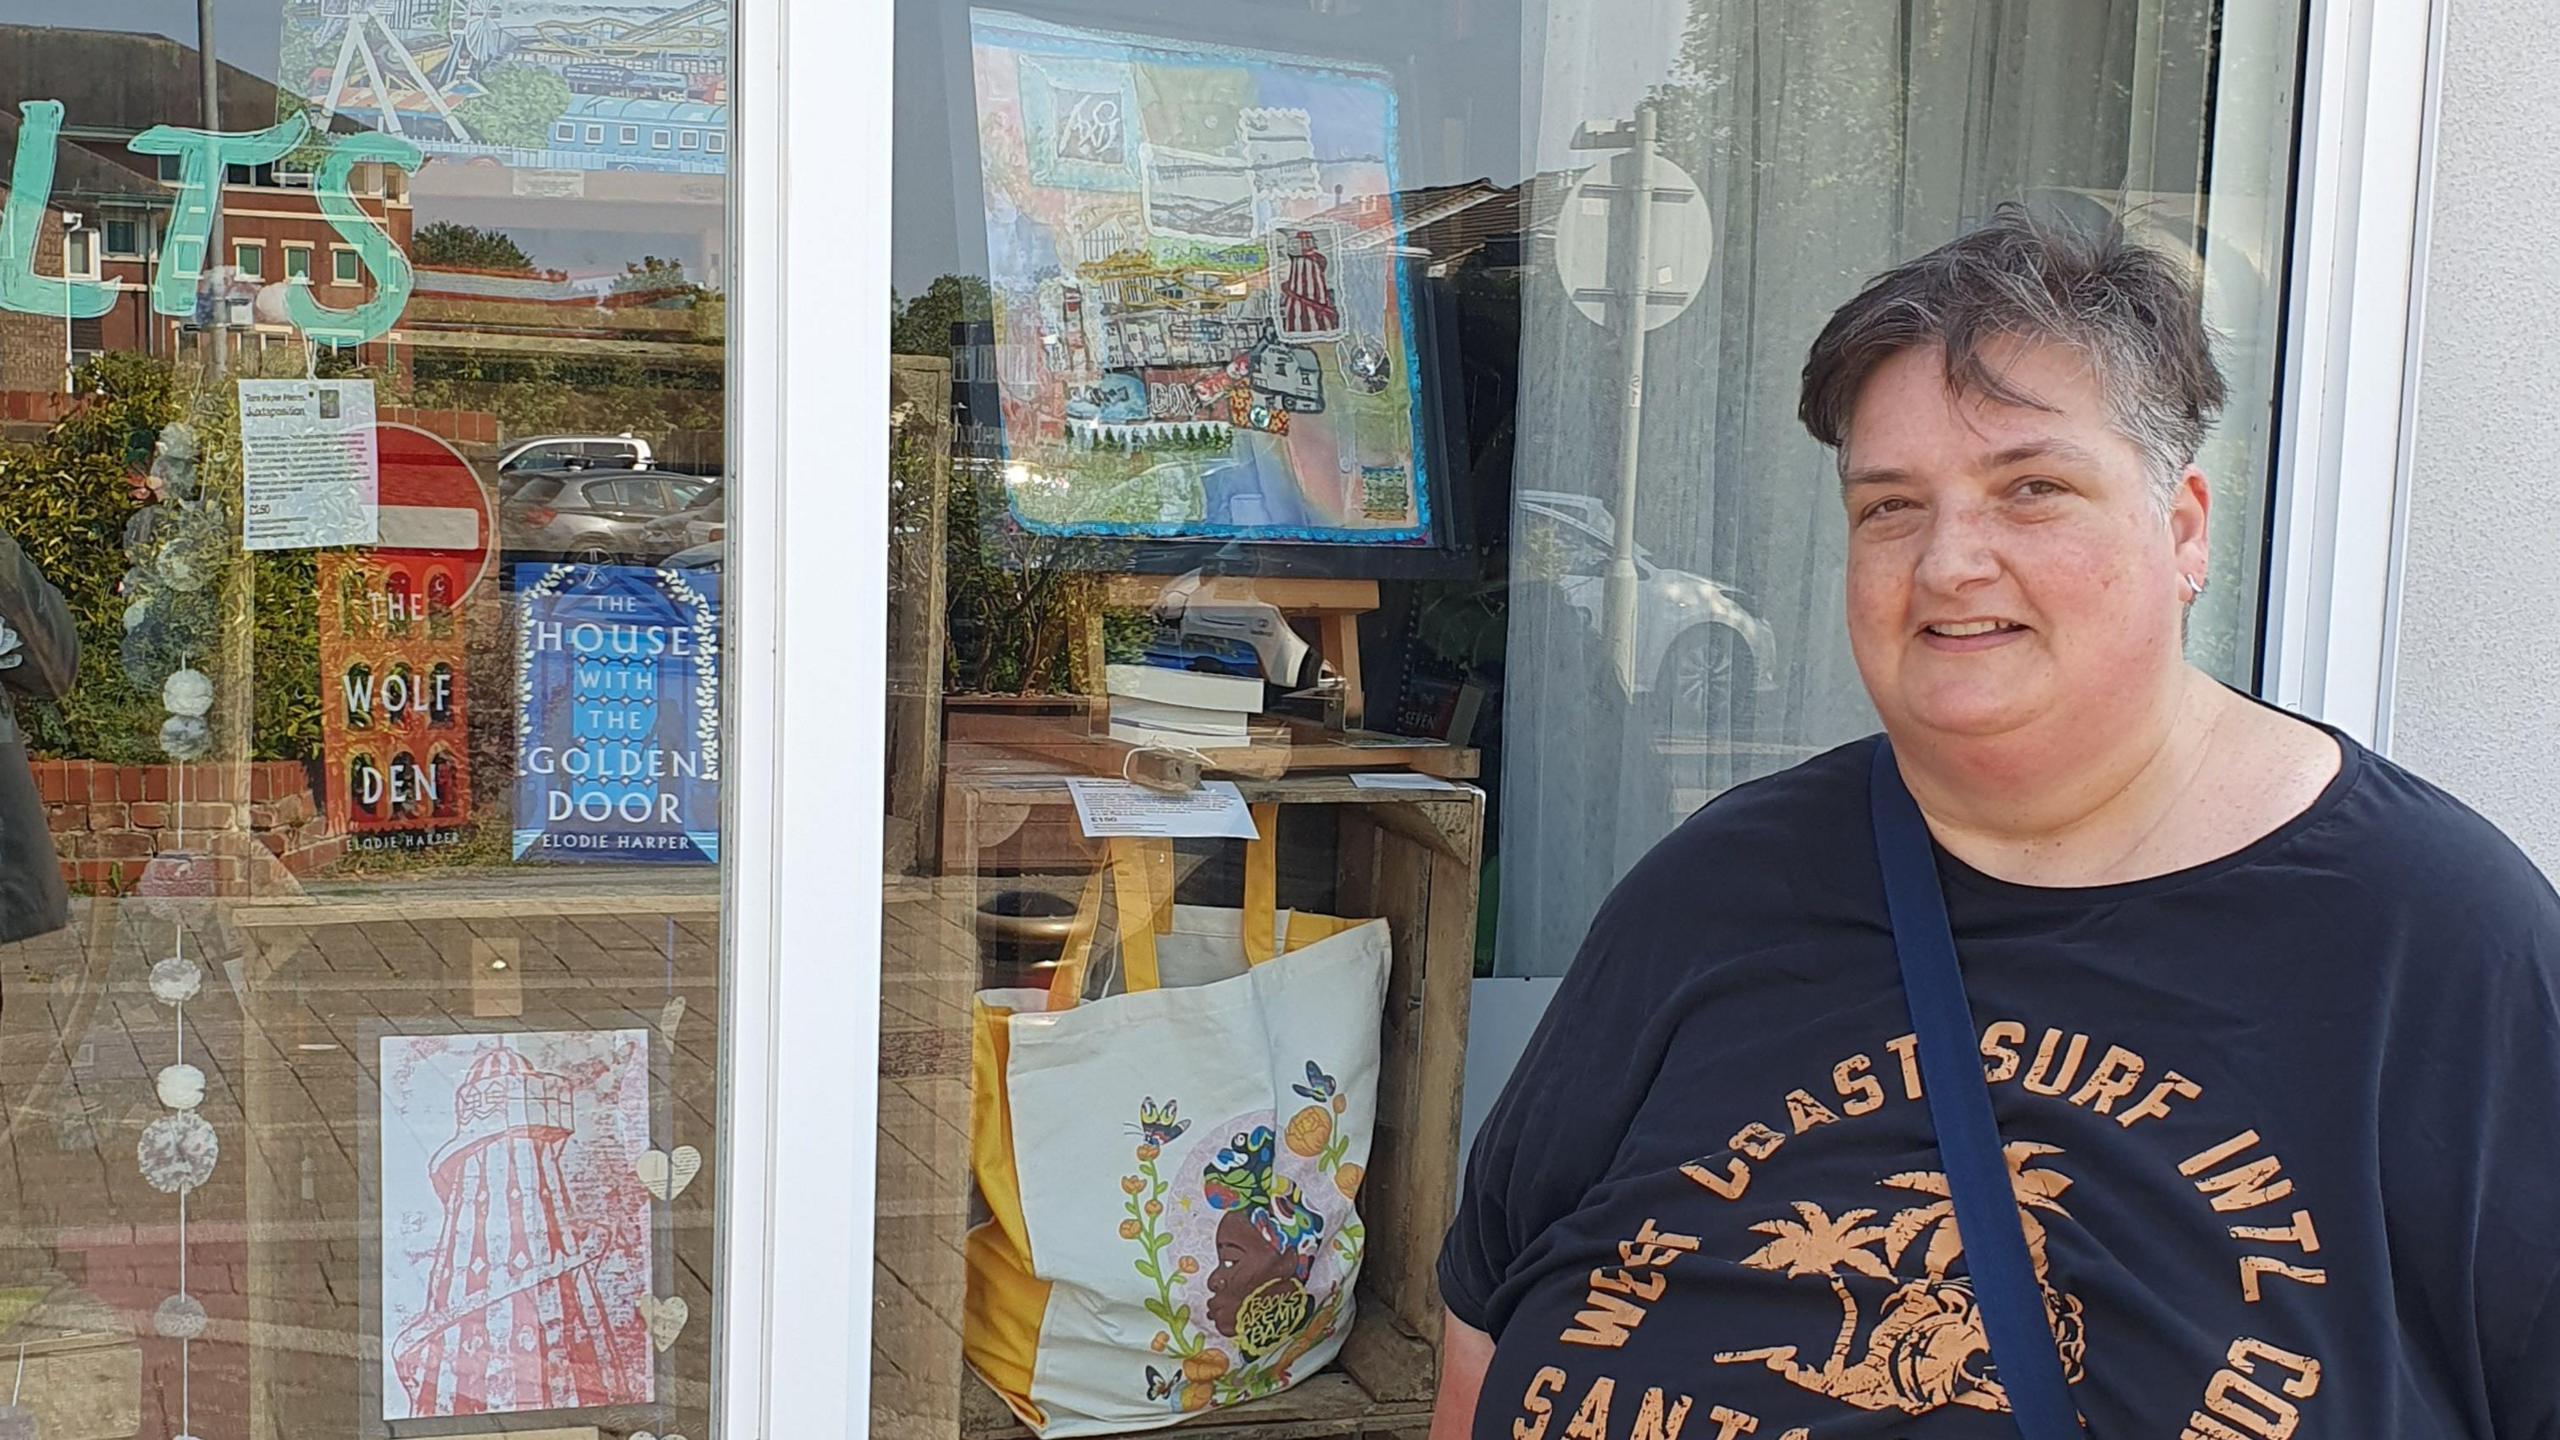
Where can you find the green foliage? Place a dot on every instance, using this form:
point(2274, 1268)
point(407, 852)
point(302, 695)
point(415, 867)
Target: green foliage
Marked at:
point(922, 325)
point(1018, 602)
point(468, 247)
point(659, 279)
point(522, 104)
point(68, 499)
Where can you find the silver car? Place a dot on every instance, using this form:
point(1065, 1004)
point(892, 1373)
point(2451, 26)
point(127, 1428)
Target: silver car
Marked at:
point(1696, 646)
point(598, 517)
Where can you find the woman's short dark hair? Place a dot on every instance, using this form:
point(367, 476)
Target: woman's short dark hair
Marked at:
point(2133, 311)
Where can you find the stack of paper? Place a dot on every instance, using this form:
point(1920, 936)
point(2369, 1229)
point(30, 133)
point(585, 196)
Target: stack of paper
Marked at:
point(1181, 709)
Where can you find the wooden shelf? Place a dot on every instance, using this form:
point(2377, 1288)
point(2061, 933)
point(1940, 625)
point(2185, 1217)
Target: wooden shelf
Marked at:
point(1288, 748)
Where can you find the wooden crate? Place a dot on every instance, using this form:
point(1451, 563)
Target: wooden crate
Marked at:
point(1410, 856)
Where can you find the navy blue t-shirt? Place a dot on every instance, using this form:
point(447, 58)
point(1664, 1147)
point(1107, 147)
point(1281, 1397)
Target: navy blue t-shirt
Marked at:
point(2285, 1130)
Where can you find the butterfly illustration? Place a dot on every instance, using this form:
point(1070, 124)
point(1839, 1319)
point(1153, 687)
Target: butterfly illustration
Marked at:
point(1319, 1086)
point(1157, 1123)
point(1160, 1385)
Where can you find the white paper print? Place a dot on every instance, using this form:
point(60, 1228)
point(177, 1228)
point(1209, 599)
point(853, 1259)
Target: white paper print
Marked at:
point(665, 1318)
point(177, 1152)
point(180, 1317)
point(309, 470)
point(180, 1086)
point(1199, 196)
point(516, 1241)
point(1399, 780)
point(1121, 807)
point(666, 1174)
point(187, 692)
point(1280, 147)
point(176, 980)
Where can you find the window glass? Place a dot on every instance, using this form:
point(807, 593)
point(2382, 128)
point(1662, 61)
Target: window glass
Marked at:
point(362, 1007)
point(1286, 396)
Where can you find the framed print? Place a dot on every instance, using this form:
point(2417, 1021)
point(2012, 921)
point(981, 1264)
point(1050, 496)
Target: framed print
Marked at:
point(517, 1255)
point(1200, 328)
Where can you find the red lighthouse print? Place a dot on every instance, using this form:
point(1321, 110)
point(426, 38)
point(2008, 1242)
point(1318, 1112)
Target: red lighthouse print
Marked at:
point(1307, 308)
point(531, 1263)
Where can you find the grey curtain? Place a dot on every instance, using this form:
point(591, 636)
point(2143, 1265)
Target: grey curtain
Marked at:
point(1829, 141)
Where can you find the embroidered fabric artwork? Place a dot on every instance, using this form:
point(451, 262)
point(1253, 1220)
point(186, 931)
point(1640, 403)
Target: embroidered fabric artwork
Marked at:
point(1198, 330)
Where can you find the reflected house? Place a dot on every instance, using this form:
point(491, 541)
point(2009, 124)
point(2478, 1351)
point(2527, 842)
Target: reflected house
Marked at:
point(113, 86)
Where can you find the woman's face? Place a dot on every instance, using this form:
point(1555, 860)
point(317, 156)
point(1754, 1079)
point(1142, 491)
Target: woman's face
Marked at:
point(1246, 1262)
point(2010, 575)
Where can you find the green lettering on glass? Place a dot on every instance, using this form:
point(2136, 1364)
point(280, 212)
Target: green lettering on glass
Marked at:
point(392, 277)
point(204, 157)
point(30, 192)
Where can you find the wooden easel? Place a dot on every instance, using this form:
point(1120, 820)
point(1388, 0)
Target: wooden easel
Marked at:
point(1334, 605)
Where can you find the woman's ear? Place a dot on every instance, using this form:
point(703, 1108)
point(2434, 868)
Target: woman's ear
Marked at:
point(2190, 511)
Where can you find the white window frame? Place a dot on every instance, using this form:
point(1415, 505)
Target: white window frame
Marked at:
point(661, 139)
point(688, 139)
point(809, 685)
point(595, 134)
point(239, 245)
point(336, 276)
point(302, 248)
point(141, 237)
point(94, 242)
point(628, 135)
point(2371, 94)
point(564, 132)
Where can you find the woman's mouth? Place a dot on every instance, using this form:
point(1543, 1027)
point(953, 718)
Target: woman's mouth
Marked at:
point(1960, 636)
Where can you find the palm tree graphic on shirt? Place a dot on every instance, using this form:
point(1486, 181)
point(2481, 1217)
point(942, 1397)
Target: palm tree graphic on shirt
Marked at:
point(1927, 1348)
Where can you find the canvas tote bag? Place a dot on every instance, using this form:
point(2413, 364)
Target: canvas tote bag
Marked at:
point(1172, 1170)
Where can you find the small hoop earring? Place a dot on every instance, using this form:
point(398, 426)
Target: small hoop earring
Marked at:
point(2195, 587)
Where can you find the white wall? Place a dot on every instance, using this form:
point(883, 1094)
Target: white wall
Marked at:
point(2477, 698)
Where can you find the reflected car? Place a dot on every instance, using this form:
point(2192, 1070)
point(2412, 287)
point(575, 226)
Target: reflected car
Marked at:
point(701, 523)
point(598, 517)
point(1697, 646)
point(552, 454)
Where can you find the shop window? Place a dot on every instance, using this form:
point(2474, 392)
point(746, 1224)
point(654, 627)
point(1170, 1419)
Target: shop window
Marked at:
point(363, 804)
point(1325, 328)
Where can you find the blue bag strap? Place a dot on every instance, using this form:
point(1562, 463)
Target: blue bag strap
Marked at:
point(1995, 1242)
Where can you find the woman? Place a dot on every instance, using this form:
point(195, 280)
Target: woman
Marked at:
point(39, 659)
point(2268, 1022)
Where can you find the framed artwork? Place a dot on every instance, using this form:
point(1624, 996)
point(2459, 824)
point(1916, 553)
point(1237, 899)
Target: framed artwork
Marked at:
point(1200, 329)
point(517, 1254)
